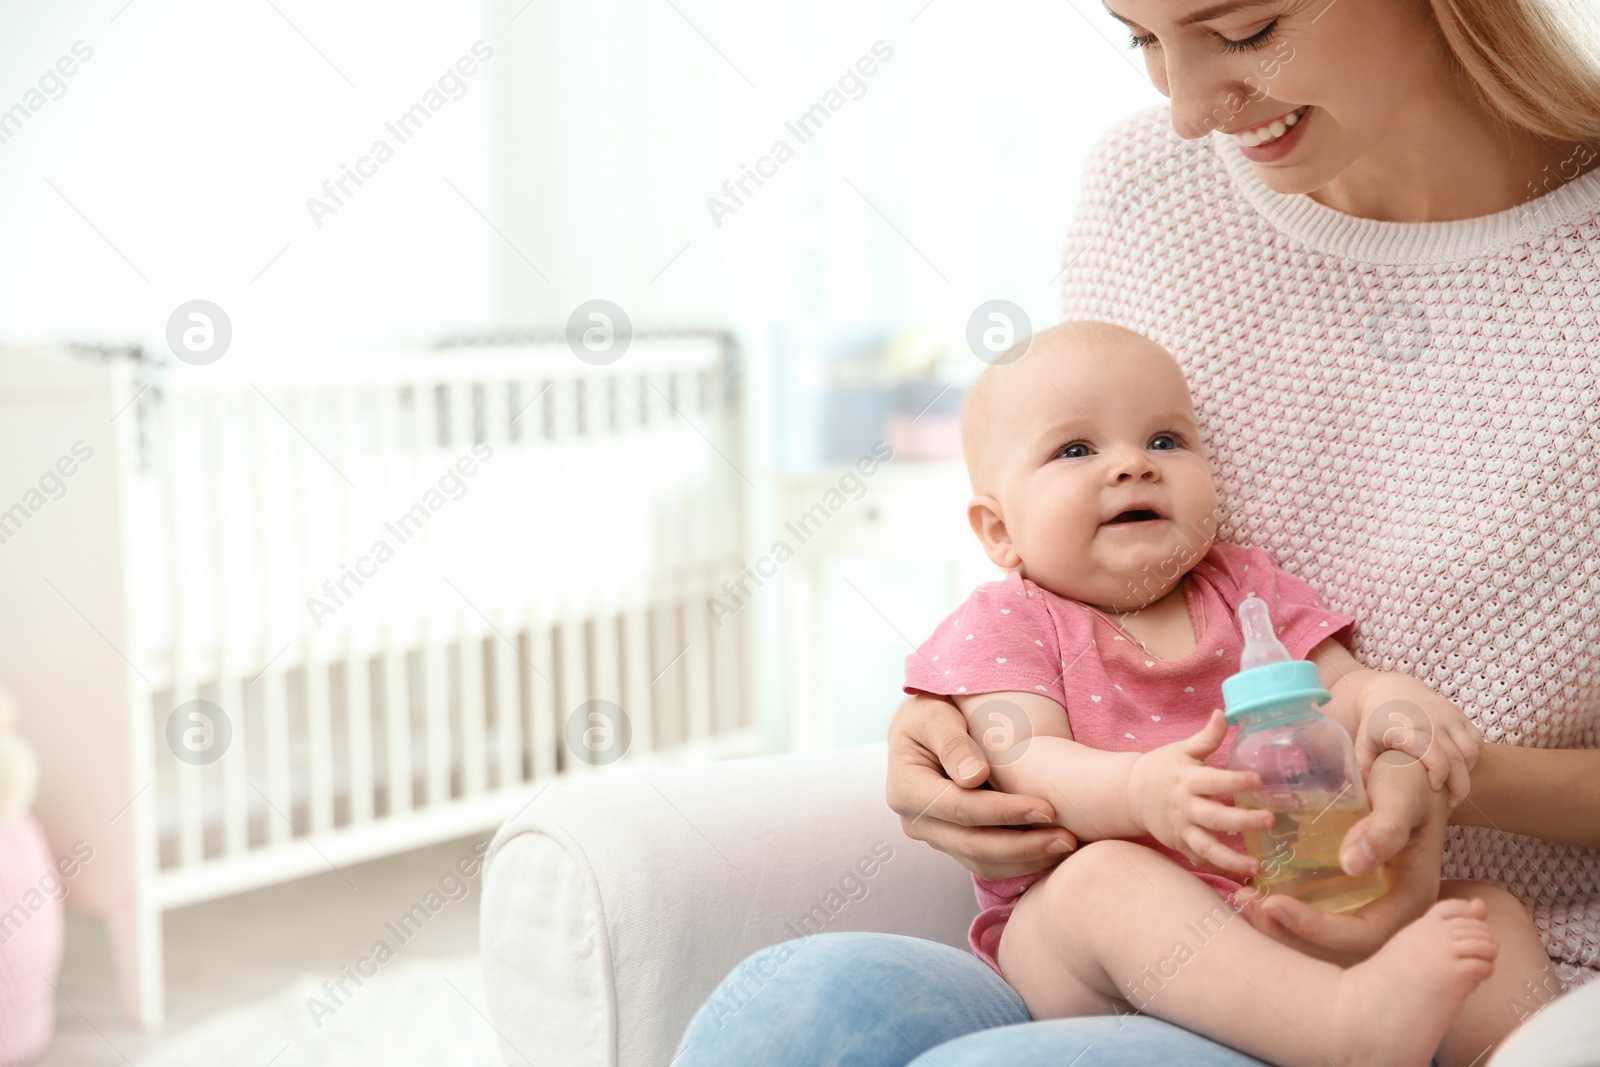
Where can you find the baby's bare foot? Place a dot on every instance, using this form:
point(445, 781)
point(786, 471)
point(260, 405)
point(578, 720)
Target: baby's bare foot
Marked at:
point(1395, 1007)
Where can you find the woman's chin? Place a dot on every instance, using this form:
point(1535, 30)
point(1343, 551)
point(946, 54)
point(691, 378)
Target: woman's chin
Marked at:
point(1291, 181)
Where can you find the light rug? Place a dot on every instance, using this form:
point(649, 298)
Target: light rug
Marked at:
point(415, 1013)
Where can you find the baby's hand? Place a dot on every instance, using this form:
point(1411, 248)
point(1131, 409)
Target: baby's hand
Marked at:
point(1170, 793)
point(1401, 713)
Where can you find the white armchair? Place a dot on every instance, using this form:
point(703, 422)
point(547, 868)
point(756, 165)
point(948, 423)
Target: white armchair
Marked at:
point(613, 905)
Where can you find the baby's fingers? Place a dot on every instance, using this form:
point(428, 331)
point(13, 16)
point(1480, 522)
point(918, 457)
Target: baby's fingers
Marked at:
point(1421, 746)
point(1222, 818)
point(1436, 760)
point(1207, 740)
point(1212, 781)
point(1207, 851)
point(1469, 741)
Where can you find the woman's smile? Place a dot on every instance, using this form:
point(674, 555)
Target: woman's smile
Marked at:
point(1264, 133)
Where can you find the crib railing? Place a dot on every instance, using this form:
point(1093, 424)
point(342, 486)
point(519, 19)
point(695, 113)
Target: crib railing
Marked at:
point(298, 612)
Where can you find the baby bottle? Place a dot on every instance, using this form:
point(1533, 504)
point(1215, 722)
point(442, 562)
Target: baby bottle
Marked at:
point(1307, 764)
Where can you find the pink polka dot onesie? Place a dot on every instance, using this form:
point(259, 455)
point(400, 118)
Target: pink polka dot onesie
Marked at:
point(1013, 636)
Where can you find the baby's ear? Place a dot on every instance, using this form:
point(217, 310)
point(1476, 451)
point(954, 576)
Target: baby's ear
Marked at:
point(983, 513)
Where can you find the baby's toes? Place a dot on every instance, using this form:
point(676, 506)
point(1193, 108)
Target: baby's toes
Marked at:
point(1475, 968)
point(1457, 908)
point(1479, 942)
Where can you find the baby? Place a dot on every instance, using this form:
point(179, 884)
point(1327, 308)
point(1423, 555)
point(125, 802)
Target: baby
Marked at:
point(1092, 675)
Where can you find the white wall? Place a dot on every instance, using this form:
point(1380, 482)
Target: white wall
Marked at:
point(191, 141)
point(194, 135)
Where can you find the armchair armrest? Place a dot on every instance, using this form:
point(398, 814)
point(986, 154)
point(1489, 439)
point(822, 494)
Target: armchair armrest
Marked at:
point(614, 904)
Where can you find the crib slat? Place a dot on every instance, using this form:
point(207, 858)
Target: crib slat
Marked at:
point(697, 532)
point(177, 414)
point(436, 693)
point(473, 770)
point(606, 653)
point(358, 725)
point(397, 727)
point(340, 649)
point(725, 497)
point(636, 677)
point(572, 689)
point(322, 540)
point(666, 667)
point(472, 530)
point(538, 677)
point(275, 684)
point(191, 845)
point(235, 792)
point(393, 465)
point(507, 713)
point(433, 543)
point(726, 650)
point(319, 743)
point(234, 509)
point(696, 667)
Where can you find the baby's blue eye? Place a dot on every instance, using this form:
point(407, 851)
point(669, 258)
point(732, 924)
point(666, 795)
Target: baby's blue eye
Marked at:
point(1171, 442)
point(1076, 450)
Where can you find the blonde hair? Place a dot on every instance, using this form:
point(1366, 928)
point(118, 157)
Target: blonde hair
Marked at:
point(1522, 58)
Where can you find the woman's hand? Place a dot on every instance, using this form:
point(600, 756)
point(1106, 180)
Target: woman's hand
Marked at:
point(935, 770)
point(1406, 831)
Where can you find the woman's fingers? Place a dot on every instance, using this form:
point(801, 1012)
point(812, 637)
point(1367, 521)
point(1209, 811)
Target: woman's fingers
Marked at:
point(993, 853)
point(937, 726)
point(1365, 754)
point(1405, 829)
point(1400, 802)
point(948, 802)
point(1340, 932)
point(1371, 843)
point(1459, 778)
point(928, 744)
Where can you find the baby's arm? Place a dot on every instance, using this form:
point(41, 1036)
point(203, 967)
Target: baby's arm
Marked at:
point(1165, 793)
point(1385, 710)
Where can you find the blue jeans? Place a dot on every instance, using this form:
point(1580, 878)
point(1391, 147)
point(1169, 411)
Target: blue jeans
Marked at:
point(880, 1000)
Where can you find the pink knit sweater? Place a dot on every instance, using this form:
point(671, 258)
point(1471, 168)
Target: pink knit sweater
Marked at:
point(1407, 415)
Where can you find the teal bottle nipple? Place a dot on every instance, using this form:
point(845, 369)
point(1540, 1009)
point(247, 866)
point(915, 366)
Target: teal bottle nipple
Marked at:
point(1267, 676)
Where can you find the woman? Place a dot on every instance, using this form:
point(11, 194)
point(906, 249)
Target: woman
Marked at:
point(1370, 229)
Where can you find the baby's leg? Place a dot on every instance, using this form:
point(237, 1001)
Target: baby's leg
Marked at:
point(1118, 923)
point(1523, 982)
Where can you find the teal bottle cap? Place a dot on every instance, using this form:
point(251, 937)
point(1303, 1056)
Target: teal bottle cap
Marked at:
point(1262, 687)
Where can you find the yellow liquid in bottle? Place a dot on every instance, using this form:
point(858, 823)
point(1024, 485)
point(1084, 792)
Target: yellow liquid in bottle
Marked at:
point(1299, 854)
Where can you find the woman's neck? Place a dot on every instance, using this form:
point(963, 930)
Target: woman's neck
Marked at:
point(1448, 158)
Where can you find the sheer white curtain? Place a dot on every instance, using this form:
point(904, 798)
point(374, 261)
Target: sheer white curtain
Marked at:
point(949, 182)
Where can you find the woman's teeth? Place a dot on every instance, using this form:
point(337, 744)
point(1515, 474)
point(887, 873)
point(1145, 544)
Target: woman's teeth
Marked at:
point(1267, 134)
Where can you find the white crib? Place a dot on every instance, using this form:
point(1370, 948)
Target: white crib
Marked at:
point(553, 532)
